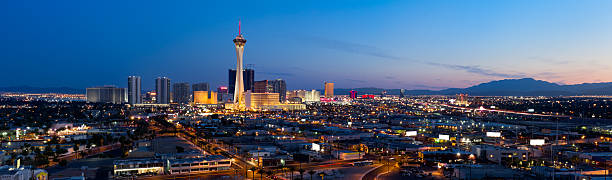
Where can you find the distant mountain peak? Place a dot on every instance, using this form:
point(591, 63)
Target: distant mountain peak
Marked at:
point(506, 87)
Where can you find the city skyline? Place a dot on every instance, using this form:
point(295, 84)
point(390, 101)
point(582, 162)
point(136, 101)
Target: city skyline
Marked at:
point(342, 90)
point(408, 45)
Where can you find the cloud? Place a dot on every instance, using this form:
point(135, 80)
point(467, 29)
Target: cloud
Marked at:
point(419, 85)
point(351, 48)
point(357, 80)
point(549, 60)
point(478, 70)
point(276, 74)
point(295, 68)
point(376, 52)
point(548, 75)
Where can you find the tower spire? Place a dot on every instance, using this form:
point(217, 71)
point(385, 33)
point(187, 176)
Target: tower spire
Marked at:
point(239, 33)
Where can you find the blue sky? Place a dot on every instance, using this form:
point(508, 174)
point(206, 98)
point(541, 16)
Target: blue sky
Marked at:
point(389, 44)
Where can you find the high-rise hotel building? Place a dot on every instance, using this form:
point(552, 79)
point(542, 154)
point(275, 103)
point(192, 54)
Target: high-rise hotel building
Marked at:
point(106, 94)
point(162, 90)
point(181, 93)
point(134, 90)
point(329, 90)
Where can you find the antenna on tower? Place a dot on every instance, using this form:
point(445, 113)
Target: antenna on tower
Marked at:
point(239, 33)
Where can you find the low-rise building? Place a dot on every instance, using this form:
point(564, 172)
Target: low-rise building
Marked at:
point(498, 154)
point(22, 173)
point(195, 165)
point(130, 167)
point(347, 155)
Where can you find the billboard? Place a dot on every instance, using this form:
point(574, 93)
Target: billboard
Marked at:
point(444, 137)
point(316, 147)
point(536, 142)
point(493, 134)
point(411, 133)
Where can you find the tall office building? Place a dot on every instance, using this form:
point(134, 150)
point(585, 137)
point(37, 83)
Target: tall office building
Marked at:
point(134, 90)
point(402, 93)
point(329, 90)
point(239, 43)
point(106, 94)
point(279, 86)
point(200, 87)
point(248, 77)
point(162, 90)
point(181, 93)
point(262, 86)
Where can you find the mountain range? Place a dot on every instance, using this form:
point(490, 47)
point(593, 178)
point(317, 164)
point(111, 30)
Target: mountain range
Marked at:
point(506, 87)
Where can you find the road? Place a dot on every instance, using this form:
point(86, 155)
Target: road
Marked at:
point(228, 174)
point(99, 167)
point(372, 175)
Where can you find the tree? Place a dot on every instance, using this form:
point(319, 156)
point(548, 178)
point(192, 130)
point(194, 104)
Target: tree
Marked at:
point(261, 172)
point(180, 149)
point(301, 173)
point(291, 168)
point(40, 160)
point(268, 173)
point(75, 148)
point(48, 150)
point(63, 163)
point(59, 150)
point(253, 171)
point(311, 172)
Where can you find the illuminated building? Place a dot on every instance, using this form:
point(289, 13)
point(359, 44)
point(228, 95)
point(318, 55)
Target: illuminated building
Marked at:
point(279, 86)
point(268, 101)
point(181, 93)
point(256, 100)
point(239, 88)
point(313, 96)
point(20, 172)
point(462, 100)
point(149, 97)
point(304, 95)
point(329, 90)
point(162, 90)
point(106, 94)
point(134, 96)
point(367, 96)
point(402, 93)
point(353, 94)
point(204, 97)
point(222, 94)
point(283, 107)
